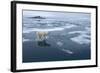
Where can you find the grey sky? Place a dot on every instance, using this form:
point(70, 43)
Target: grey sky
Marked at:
point(31, 13)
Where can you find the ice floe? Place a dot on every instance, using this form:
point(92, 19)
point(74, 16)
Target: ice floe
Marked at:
point(25, 40)
point(67, 51)
point(80, 32)
point(59, 43)
point(81, 39)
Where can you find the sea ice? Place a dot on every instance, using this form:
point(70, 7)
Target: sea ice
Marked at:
point(59, 43)
point(24, 40)
point(67, 51)
point(81, 39)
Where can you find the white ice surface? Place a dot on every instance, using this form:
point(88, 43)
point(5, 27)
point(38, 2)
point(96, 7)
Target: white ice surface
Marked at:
point(26, 30)
point(81, 39)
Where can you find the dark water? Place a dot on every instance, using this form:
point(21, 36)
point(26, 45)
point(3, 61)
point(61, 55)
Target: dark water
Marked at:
point(34, 53)
point(70, 43)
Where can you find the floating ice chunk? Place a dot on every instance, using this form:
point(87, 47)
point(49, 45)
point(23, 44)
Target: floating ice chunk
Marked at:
point(67, 51)
point(24, 40)
point(59, 43)
point(81, 39)
point(80, 32)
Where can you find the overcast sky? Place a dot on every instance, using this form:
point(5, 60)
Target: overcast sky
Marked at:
point(31, 13)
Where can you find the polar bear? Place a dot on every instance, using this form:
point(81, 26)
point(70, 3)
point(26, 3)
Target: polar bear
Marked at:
point(41, 38)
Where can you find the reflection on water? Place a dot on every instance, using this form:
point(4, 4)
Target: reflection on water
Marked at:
point(56, 36)
point(43, 43)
